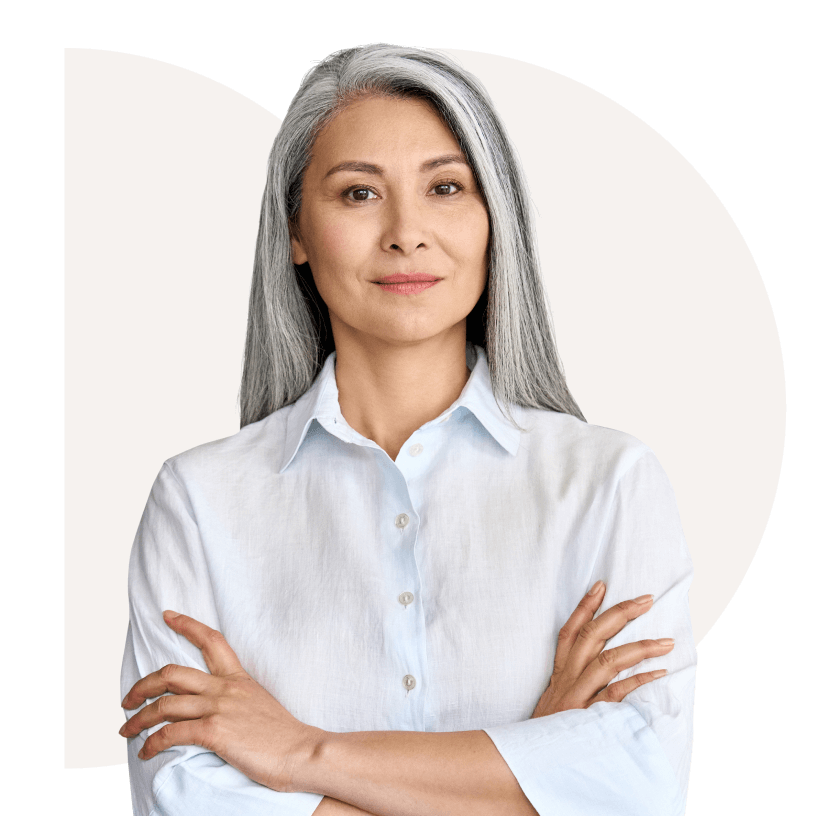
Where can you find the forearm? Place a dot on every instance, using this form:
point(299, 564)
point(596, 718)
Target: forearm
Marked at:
point(413, 773)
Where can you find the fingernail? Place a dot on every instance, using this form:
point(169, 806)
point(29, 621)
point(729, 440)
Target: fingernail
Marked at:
point(596, 588)
point(659, 673)
point(124, 700)
point(666, 641)
point(122, 730)
point(141, 754)
point(169, 614)
point(644, 599)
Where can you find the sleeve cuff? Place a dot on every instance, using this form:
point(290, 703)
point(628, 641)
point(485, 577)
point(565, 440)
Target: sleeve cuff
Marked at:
point(205, 784)
point(600, 761)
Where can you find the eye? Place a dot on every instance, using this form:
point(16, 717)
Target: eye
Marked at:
point(445, 189)
point(359, 194)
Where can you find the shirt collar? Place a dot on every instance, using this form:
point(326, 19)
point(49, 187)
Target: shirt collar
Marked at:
point(321, 402)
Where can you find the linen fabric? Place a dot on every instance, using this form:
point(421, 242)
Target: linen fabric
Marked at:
point(421, 594)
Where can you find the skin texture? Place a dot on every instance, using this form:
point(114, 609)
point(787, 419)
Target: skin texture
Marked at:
point(400, 358)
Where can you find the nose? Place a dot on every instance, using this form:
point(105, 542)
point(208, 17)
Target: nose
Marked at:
point(405, 228)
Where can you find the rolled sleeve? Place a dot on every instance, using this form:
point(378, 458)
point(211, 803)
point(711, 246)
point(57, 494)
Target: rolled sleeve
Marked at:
point(631, 757)
point(168, 570)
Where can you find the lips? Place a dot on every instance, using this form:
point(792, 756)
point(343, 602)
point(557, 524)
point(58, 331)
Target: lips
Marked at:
point(413, 287)
point(408, 277)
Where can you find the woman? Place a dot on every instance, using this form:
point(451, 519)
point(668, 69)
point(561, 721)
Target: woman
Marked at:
point(402, 587)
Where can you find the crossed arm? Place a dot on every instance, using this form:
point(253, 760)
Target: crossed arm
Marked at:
point(411, 772)
point(386, 773)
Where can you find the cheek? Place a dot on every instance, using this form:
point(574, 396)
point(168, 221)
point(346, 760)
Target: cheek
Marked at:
point(482, 231)
point(338, 262)
point(335, 241)
point(469, 237)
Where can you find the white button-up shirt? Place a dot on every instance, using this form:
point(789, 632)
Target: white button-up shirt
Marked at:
point(421, 594)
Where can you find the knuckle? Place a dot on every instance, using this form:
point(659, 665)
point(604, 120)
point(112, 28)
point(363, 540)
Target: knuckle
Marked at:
point(161, 705)
point(232, 682)
point(588, 631)
point(157, 741)
point(224, 698)
point(214, 636)
point(607, 658)
point(168, 672)
point(209, 730)
point(630, 685)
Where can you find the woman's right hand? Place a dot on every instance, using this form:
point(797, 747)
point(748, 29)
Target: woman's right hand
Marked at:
point(583, 670)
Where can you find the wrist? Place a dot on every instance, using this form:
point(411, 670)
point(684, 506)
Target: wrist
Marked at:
point(308, 758)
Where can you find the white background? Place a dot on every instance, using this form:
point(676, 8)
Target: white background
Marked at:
point(170, 164)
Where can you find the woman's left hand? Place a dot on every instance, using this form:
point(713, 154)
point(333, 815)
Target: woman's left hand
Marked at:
point(225, 711)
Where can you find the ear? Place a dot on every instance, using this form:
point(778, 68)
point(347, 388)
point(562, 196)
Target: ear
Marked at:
point(298, 250)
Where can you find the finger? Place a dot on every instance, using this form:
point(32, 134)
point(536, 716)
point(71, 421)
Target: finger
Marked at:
point(593, 634)
point(188, 732)
point(172, 678)
point(615, 692)
point(608, 664)
point(218, 654)
point(584, 612)
point(172, 708)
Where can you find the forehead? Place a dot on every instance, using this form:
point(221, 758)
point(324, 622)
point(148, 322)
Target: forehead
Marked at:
point(379, 126)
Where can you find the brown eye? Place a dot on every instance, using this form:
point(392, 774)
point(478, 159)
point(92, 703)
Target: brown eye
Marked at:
point(446, 188)
point(359, 194)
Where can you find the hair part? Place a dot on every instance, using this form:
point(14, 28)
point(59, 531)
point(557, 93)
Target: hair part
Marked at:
point(289, 334)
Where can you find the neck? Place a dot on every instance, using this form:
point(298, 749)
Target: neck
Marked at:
point(387, 391)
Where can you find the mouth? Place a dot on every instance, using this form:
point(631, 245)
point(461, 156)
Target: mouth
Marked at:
point(407, 283)
point(408, 277)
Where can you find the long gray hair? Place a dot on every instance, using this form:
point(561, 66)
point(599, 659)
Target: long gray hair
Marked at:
point(288, 331)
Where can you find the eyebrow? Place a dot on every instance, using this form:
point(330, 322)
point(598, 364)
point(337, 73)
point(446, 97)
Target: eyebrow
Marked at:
point(376, 170)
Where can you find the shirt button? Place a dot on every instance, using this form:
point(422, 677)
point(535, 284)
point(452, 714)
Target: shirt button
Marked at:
point(406, 598)
point(402, 520)
point(409, 681)
point(415, 450)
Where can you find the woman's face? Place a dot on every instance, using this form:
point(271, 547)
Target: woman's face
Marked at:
point(387, 193)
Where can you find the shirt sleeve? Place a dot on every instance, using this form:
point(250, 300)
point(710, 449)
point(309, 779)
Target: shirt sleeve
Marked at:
point(633, 757)
point(168, 570)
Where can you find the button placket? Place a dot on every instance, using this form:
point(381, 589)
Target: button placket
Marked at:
point(401, 522)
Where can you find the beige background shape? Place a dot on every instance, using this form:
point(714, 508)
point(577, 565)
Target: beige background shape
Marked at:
point(661, 317)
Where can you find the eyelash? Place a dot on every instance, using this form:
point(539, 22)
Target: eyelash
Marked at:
point(450, 183)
